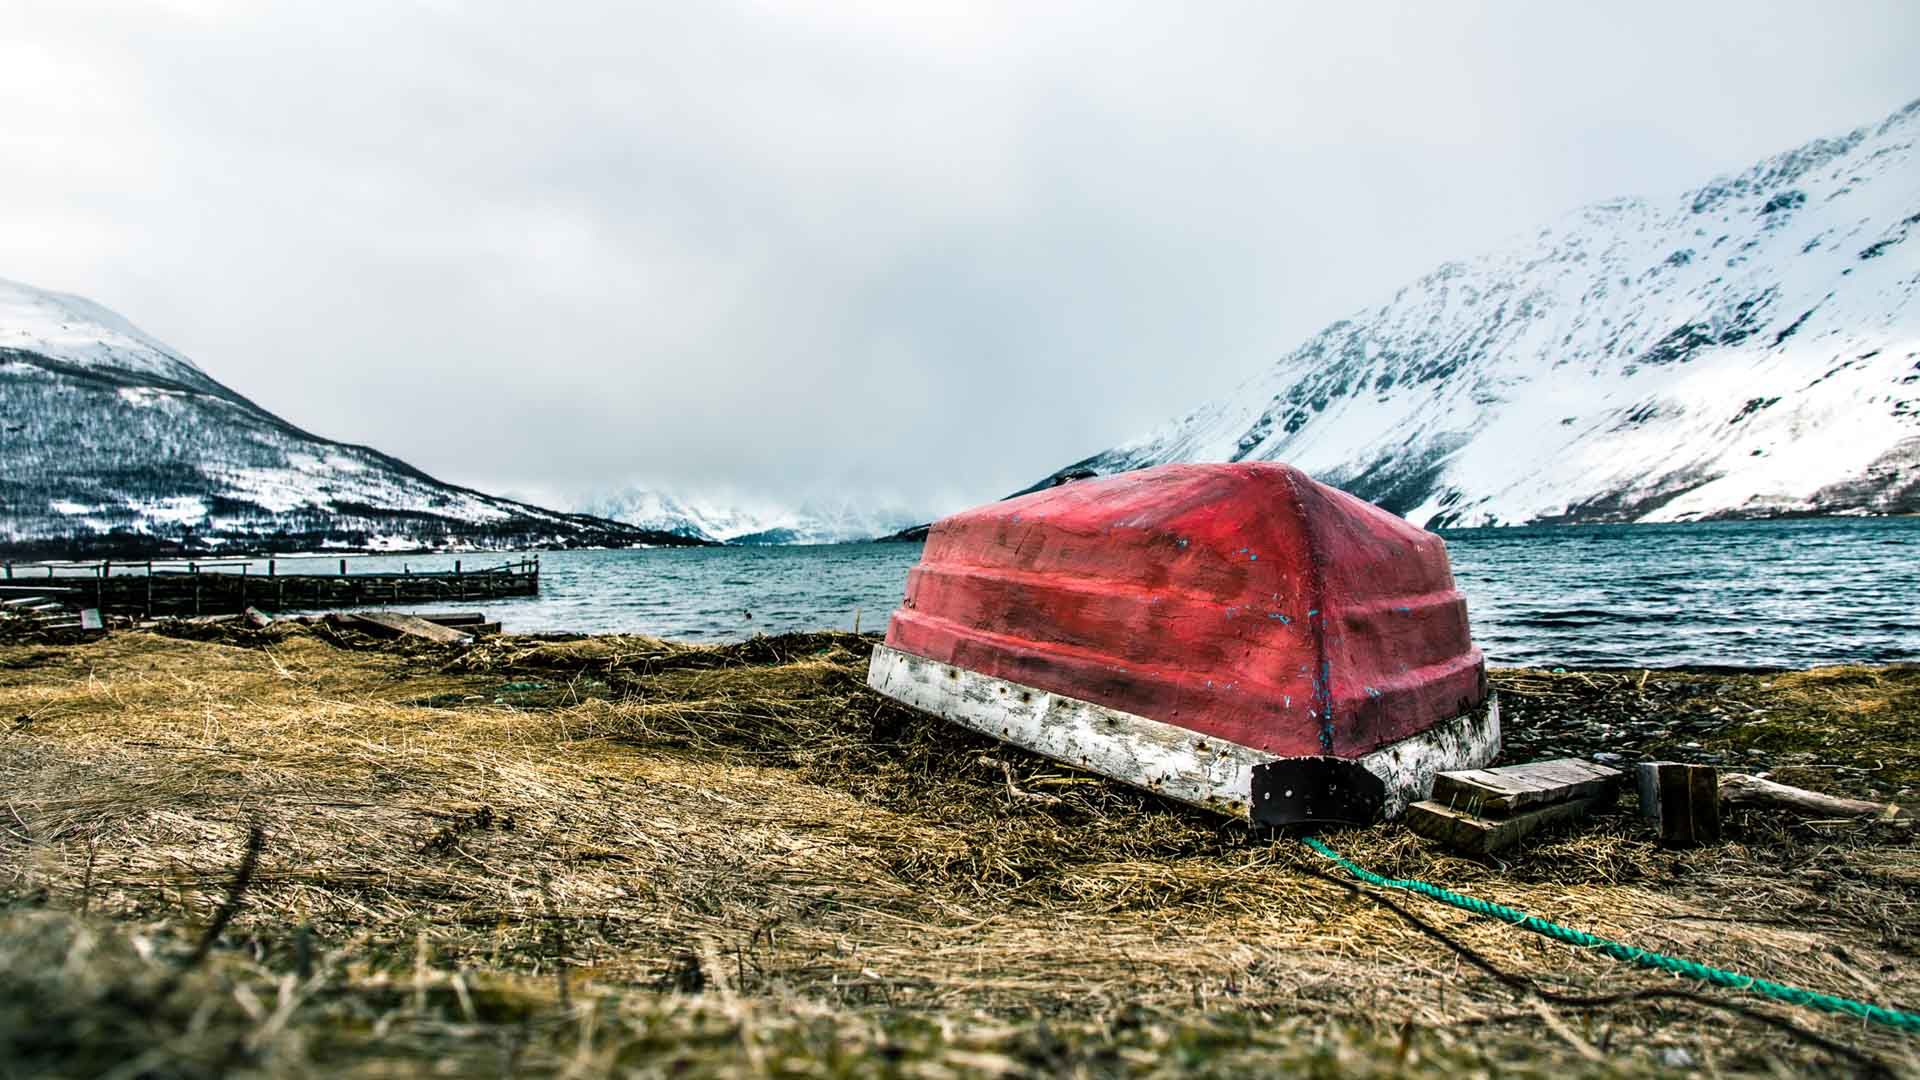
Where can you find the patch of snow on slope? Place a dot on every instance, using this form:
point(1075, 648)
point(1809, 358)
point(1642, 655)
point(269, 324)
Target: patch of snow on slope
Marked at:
point(179, 510)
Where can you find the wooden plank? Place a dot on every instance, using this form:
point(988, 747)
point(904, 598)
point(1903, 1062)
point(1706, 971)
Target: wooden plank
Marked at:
point(26, 602)
point(1479, 836)
point(90, 620)
point(38, 588)
point(1516, 787)
point(413, 626)
point(453, 618)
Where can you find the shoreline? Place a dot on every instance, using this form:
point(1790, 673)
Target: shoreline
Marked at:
point(725, 858)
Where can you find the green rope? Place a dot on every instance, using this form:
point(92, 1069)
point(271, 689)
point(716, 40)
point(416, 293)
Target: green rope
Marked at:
point(1793, 995)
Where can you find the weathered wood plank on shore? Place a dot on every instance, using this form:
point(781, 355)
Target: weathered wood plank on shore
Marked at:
point(453, 618)
point(1516, 787)
point(394, 623)
point(1480, 836)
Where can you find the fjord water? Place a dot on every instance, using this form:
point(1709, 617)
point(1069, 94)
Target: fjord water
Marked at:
point(1784, 593)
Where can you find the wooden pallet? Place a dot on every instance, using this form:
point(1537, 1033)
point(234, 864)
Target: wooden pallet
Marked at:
point(1479, 811)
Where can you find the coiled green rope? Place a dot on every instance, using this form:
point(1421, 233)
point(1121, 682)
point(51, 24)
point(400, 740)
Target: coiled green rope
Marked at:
point(1732, 980)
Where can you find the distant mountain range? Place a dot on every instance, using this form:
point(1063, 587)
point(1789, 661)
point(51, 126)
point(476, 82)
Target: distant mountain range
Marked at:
point(1749, 348)
point(111, 442)
point(735, 521)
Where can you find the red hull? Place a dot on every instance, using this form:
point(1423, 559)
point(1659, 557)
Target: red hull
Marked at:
point(1245, 602)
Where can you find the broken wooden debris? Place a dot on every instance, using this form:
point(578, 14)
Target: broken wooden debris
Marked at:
point(1741, 789)
point(90, 619)
point(394, 624)
point(1505, 790)
point(1477, 835)
point(1479, 811)
point(1685, 799)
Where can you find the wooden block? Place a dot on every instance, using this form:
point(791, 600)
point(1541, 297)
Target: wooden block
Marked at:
point(1685, 799)
point(412, 626)
point(256, 618)
point(1479, 836)
point(90, 619)
point(1512, 788)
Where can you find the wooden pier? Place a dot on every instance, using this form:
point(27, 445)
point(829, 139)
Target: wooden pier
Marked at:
point(148, 590)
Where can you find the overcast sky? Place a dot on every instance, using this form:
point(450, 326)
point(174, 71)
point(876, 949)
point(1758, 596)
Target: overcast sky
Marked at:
point(921, 251)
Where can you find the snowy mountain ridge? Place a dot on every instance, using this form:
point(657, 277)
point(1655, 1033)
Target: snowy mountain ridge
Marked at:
point(112, 441)
point(1749, 348)
point(73, 329)
point(742, 520)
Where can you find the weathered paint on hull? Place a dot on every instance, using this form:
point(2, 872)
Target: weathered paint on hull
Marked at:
point(1209, 772)
point(1234, 636)
point(1243, 603)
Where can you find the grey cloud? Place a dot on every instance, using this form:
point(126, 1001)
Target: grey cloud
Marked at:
point(928, 252)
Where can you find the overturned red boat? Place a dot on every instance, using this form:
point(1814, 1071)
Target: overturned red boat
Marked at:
point(1235, 636)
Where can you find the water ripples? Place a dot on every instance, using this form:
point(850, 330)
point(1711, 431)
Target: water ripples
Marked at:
point(1785, 594)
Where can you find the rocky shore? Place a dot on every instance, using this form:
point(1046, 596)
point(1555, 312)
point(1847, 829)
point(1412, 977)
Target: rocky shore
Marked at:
point(299, 850)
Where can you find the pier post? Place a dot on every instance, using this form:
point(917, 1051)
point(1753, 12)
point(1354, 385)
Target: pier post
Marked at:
point(343, 568)
point(9, 569)
point(273, 567)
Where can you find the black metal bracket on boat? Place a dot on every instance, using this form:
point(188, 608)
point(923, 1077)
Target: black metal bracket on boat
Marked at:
point(1293, 791)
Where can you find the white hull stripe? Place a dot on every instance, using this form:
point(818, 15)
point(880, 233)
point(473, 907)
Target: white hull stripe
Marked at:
point(1172, 761)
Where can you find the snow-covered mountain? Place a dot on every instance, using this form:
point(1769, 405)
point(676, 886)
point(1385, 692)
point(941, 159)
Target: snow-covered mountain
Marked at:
point(1748, 348)
point(111, 441)
point(736, 520)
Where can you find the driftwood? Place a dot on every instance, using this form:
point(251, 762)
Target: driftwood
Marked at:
point(1741, 789)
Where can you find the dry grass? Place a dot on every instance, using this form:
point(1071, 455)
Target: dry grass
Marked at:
point(613, 855)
